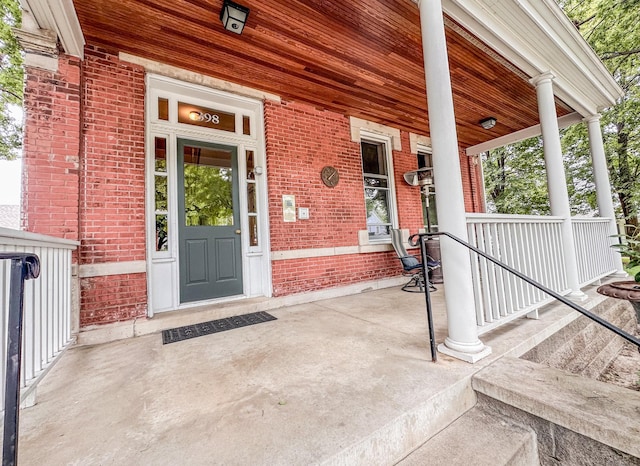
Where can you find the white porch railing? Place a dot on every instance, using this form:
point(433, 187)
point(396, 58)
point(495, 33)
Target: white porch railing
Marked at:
point(596, 258)
point(529, 244)
point(47, 304)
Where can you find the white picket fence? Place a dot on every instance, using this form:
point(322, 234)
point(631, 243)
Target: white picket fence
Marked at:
point(47, 303)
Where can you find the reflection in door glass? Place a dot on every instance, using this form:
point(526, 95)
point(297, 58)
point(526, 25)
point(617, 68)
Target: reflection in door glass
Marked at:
point(162, 235)
point(208, 179)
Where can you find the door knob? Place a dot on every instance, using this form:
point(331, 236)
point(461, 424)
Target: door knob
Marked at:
point(237, 232)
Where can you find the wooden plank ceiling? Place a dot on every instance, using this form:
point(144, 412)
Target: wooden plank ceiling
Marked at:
point(357, 57)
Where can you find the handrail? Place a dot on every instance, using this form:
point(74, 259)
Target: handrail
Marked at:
point(24, 266)
point(618, 331)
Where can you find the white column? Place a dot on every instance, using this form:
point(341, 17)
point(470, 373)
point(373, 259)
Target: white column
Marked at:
point(556, 179)
point(462, 341)
point(601, 178)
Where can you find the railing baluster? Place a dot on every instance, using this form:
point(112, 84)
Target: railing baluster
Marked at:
point(532, 245)
point(44, 305)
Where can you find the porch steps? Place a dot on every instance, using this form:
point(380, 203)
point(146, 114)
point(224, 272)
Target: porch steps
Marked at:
point(577, 420)
point(480, 438)
point(584, 347)
point(530, 414)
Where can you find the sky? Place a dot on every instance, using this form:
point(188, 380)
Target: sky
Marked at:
point(10, 181)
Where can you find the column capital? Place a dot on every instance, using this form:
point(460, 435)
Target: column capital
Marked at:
point(592, 118)
point(542, 78)
point(40, 48)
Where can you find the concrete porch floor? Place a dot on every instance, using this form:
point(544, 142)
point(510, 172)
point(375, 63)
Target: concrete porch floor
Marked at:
point(341, 381)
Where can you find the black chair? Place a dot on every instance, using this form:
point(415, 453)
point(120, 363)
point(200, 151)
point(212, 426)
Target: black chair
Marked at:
point(411, 266)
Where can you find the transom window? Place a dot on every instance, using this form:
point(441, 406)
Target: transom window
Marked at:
point(378, 192)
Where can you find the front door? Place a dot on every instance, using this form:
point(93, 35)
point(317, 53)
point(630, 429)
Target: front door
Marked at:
point(209, 221)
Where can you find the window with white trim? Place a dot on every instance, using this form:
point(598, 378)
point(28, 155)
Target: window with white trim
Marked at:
point(378, 189)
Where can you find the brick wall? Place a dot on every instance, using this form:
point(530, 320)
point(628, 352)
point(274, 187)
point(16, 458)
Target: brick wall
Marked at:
point(409, 200)
point(84, 162)
point(113, 298)
point(471, 183)
point(51, 150)
point(300, 140)
point(112, 214)
point(300, 275)
point(112, 189)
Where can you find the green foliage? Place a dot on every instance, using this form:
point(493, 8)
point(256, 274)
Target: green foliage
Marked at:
point(515, 179)
point(514, 175)
point(631, 248)
point(11, 79)
point(208, 195)
point(612, 29)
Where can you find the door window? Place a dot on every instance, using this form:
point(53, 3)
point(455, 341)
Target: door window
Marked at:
point(208, 176)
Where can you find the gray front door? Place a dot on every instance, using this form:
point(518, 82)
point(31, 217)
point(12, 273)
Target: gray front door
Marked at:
point(209, 221)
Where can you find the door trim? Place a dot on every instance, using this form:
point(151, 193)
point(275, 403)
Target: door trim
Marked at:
point(162, 267)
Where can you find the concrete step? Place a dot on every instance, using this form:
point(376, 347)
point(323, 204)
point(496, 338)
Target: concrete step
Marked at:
point(577, 420)
point(479, 438)
point(584, 347)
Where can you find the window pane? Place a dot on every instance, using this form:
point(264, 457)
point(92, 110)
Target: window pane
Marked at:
point(433, 214)
point(377, 207)
point(246, 125)
point(373, 158)
point(251, 198)
point(253, 230)
point(161, 192)
point(424, 160)
point(250, 165)
point(208, 181)
point(162, 243)
point(375, 182)
point(161, 154)
point(163, 109)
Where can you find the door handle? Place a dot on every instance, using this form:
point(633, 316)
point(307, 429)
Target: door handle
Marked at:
point(238, 232)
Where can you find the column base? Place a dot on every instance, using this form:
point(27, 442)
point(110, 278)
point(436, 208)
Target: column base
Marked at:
point(578, 296)
point(464, 356)
point(620, 274)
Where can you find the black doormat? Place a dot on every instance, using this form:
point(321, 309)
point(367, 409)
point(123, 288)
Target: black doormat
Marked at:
point(206, 328)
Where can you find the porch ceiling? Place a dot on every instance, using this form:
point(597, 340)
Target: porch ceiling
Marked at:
point(357, 57)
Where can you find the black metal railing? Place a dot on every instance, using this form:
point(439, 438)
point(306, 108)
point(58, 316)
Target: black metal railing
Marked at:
point(24, 266)
point(420, 239)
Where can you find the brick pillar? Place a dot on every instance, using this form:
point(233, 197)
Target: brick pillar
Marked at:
point(51, 149)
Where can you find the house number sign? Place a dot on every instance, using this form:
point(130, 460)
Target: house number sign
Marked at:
point(206, 117)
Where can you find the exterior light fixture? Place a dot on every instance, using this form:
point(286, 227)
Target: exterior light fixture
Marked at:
point(233, 16)
point(419, 177)
point(488, 123)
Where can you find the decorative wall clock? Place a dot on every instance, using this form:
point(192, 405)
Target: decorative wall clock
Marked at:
point(330, 176)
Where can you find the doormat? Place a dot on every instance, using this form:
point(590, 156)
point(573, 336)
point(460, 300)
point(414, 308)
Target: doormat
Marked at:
point(220, 325)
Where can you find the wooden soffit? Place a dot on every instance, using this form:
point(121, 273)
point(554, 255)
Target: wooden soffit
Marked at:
point(361, 58)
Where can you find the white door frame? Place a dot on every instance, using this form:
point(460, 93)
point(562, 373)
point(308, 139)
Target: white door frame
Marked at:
point(162, 266)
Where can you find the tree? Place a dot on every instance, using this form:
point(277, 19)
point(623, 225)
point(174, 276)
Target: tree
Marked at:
point(515, 179)
point(11, 80)
point(612, 29)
